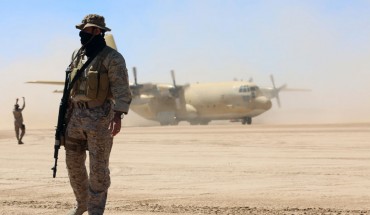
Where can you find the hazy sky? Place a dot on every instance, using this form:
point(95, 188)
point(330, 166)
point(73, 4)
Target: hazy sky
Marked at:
point(322, 45)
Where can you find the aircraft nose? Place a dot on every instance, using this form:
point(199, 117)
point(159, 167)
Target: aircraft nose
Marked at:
point(263, 102)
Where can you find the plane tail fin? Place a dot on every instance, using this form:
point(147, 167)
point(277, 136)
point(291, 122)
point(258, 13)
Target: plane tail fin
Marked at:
point(110, 41)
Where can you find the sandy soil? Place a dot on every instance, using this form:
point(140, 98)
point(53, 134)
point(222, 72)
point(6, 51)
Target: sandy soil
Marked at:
point(216, 169)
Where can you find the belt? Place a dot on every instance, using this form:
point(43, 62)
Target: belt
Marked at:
point(87, 105)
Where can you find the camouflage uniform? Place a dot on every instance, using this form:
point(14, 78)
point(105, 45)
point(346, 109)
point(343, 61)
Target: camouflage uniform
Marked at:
point(88, 129)
point(18, 121)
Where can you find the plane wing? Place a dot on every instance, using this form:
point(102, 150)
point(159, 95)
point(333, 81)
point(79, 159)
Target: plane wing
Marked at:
point(46, 82)
point(146, 88)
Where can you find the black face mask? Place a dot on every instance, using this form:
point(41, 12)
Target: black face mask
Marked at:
point(92, 43)
point(85, 37)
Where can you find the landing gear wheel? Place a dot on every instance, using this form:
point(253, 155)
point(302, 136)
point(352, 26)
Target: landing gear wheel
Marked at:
point(247, 120)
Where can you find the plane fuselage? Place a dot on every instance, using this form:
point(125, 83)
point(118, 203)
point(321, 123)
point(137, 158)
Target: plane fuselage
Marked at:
point(201, 103)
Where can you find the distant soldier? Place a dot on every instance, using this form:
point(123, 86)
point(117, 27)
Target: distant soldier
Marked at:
point(100, 97)
point(18, 121)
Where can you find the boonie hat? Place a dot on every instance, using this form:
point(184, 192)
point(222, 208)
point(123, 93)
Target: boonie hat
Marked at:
point(93, 20)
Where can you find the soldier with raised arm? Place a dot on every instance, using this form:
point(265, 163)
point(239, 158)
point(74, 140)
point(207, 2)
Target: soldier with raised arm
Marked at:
point(20, 128)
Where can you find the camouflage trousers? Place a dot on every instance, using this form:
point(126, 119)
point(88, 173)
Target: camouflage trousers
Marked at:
point(88, 129)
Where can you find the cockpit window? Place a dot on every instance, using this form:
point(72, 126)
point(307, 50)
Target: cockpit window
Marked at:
point(244, 89)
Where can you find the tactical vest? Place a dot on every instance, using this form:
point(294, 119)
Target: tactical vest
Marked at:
point(93, 84)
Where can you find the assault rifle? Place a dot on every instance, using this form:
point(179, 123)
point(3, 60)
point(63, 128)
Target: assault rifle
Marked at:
point(62, 124)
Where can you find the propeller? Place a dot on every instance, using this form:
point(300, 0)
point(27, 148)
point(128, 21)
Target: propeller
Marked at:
point(175, 89)
point(135, 88)
point(275, 91)
point(142, 89)
point(135, 75)
point(173, 78)
point(175, 92)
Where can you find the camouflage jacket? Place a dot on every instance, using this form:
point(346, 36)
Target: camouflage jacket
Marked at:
point(111, 62)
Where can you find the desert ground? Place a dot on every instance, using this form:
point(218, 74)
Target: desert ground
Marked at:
point(215, 169)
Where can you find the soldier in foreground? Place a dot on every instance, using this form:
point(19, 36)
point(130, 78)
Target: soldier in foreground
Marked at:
point(99, 98)
point(18, 121)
